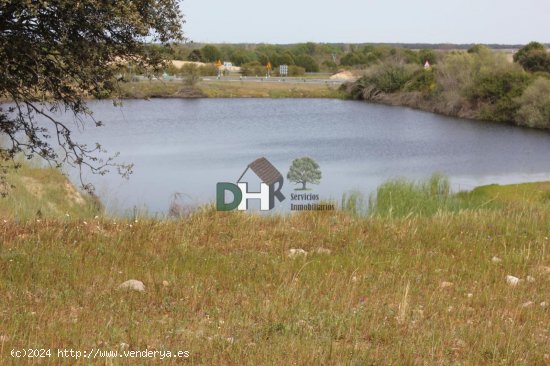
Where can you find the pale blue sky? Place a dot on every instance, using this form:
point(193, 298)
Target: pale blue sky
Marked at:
point(402, 21)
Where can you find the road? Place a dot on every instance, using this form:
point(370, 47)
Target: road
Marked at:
point(290, 80)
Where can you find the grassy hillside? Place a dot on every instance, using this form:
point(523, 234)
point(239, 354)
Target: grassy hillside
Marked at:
point(227, 287)
point(37, 192)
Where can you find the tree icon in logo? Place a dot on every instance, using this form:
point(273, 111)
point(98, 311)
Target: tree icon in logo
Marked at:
point(304, 170)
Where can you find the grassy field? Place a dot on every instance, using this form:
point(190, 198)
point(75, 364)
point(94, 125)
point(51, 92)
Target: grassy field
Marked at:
point(233, 89)
point(425, 288)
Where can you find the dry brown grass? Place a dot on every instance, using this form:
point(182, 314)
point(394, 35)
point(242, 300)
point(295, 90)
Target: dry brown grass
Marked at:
point(420, 290)
point(222, 286)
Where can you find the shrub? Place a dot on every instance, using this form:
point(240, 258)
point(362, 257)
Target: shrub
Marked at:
point(384, 78)
point(427, 55)
point(190, 73)
point(353, 59)
point(330, 65)
point(423, 81)
point(171, 69)
point(496, 92)
point(390, 78)
point(359, 58)
point(534, 110)
point(208, 70)
point(252, 69)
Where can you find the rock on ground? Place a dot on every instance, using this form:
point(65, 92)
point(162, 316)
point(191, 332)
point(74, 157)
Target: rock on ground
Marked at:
point(134, 285)
point(511, 280)
point(293, 253)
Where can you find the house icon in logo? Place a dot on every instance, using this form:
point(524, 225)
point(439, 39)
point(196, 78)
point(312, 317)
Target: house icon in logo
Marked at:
point(271, 182)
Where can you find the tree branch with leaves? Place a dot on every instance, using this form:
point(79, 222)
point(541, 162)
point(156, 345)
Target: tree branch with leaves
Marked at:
point(54, 55)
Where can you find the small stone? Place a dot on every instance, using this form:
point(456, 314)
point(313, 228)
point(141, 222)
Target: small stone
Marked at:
point(446, 284)
point(165, 283)
point(527, 304)
point(124, 346)
point(530, 279)
point(460, 343)
point(293, 253)
point(496, 260)
point(134, 285)
point(323, 251)
point(470, 295)
point(543, 304)
point(511, 280)
point(354, 279)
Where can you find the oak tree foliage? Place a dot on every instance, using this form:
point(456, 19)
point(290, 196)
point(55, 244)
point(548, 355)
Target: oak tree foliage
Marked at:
point(56, 54)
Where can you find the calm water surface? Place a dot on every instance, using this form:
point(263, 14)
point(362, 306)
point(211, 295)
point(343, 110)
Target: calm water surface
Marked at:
point(188, 146)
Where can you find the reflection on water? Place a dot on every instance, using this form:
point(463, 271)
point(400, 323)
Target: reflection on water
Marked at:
point(188, 146)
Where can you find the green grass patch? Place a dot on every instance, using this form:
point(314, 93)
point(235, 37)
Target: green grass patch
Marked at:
point(42, 192)
point(401, 197)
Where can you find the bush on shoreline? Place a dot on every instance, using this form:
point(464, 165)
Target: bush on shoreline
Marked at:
point(480, 84)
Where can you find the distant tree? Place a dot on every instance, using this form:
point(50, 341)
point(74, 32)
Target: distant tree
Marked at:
point(195, 56)
point(54, 55)
point(536, 61)
point(262, 58)
point(533, 57)
point(525, 50)
point(241, 56)
point(368, 48)
point(211, 53)
point(304, 48)
point(308, 63)
point(277, 59)
point(353, 59)
point(311, 47)
point(304, 170)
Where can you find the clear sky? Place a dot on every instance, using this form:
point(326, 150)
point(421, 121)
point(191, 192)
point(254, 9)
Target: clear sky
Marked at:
point(354, 21)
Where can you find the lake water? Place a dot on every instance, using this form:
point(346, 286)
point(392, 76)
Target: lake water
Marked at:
point(188, 146)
